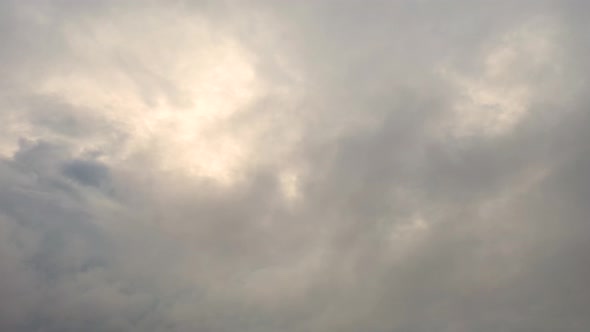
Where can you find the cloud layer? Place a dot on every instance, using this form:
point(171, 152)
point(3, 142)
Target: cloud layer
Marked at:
point(294, 166)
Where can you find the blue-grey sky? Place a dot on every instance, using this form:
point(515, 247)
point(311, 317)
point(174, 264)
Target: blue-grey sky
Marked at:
point(264, 166)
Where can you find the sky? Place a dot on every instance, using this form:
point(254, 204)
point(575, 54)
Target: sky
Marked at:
point(294, 166)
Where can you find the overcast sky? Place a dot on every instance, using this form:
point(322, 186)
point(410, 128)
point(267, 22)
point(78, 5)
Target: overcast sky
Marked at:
point(294, 166)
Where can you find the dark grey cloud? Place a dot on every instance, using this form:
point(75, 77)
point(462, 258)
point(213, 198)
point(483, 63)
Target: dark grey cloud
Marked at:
point(264, 166)
point(86, 172)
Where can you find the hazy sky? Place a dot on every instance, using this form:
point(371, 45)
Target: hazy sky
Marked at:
point(294, 166)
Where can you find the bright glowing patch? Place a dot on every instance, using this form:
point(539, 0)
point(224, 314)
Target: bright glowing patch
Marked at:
point(290, 186)
point(171, 94)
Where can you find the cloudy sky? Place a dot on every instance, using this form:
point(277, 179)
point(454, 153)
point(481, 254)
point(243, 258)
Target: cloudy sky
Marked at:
point(297, 166)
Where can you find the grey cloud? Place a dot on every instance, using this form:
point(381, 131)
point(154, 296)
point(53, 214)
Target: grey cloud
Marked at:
point(86, 172)
point(391, 166)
